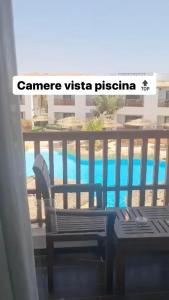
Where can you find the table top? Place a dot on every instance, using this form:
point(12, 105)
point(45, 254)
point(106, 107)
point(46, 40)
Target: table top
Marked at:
point(150, 212)
point(156, 223)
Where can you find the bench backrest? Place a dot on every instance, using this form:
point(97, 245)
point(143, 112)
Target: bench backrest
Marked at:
point(42, 178)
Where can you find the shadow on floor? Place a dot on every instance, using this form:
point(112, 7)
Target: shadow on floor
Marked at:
point(83, 276)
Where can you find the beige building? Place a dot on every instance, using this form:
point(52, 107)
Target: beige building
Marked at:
point(26, 107)
point(67, 105)
point(154, 108)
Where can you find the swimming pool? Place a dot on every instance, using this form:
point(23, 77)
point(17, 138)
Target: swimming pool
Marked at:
point(98, 170)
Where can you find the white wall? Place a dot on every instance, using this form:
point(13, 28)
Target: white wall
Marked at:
point(126, 110)
point(27, 108)
point(79, 109)
point(150, 108)
point(150, 111)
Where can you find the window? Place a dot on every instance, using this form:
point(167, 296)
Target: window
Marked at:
point(167, 95)
point(64, 100)
point(133, 97)
point(61, 115)
point(166, 119)
point(22, 100)
point(22, 114)
point(163, 102)
point(163, 98)
point(134, 100)
point(90, 101)
point(132, 117)
point(162, 120)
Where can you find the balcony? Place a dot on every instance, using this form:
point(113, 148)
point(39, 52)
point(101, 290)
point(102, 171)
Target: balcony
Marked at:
point(113, 159)
point(134, 101)
point(163, 103)
point(64, 100)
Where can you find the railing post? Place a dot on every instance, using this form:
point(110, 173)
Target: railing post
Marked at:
point(64, 156)
point(105, 169)
point(78, 171)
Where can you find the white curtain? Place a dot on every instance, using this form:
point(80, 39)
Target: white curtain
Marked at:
point(17, 270)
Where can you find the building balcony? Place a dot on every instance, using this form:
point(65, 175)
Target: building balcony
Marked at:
point(163, 103)
point(134, 102)
point(64, 100)
point(132, 166)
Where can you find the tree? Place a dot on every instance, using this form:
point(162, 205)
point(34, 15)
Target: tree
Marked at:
point(95, 124)
point(107, 104)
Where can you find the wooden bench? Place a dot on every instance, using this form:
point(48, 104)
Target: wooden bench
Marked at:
point(125, 238)
point(77, 224)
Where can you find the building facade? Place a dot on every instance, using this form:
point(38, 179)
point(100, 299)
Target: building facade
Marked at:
point(26, 107)
point(67, 105)
point(154, 108)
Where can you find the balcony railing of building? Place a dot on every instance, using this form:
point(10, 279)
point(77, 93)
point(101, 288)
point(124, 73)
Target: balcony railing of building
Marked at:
point(163, 103)
point(64, 100)
point(134, 101)
point(115, 147)
point(129, 118)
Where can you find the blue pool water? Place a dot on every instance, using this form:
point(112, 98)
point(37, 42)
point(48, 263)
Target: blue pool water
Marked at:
point(98, 170)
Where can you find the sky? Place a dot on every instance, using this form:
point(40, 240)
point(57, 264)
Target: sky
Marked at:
point(91, 36)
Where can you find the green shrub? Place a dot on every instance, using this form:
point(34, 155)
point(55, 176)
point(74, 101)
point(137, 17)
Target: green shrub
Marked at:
point(95, 124)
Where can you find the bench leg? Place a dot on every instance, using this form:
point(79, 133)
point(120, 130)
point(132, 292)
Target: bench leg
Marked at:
point(120, 273)
point(109, 266)
point(100, 249)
